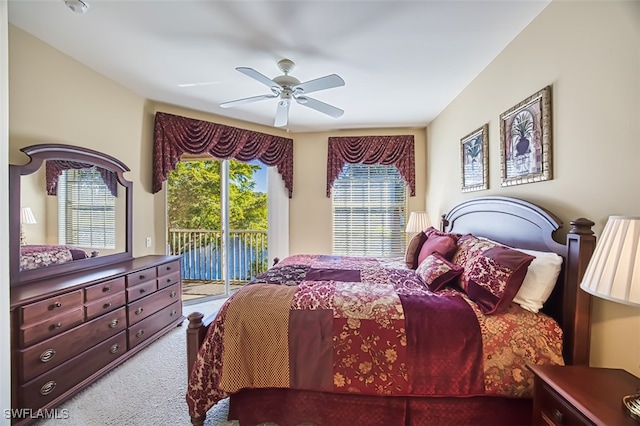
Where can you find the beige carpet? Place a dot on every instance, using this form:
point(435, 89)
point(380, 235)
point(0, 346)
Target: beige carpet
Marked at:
point(147, 390)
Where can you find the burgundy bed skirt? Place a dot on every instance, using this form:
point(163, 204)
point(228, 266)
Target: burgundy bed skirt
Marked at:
point(287, 407)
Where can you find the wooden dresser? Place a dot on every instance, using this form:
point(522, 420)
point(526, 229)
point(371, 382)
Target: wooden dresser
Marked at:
point(70, 329)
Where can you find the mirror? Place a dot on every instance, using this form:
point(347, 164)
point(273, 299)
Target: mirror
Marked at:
point(70, 209)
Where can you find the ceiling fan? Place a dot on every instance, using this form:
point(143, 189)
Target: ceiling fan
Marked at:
point(288, 88)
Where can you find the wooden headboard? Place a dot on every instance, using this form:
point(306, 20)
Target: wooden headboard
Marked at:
point(521, 224)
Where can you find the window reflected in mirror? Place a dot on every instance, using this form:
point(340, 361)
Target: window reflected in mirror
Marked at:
point(78, 215)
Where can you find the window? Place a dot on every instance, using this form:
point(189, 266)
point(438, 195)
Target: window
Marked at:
point(86, 210)
point(369, 204)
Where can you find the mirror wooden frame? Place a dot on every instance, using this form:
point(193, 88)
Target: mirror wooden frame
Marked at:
point(38, 154)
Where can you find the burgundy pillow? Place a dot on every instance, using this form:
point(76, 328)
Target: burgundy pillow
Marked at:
point(413, 249)
point(438, 242)
point(492, 273)
point(436, 271)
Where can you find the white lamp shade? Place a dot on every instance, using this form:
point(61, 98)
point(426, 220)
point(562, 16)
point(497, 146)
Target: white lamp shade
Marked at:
point(26, 216)
point(418, 221)
point(613, 272)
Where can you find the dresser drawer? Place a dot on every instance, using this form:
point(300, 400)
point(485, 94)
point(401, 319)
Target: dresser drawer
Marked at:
point(49, 386)
point(167, 280)
point(141, 290)
point(105, 305)
point(554, 410)
point(104, 289)
point(46, 355)
point(146, 306)
point(168, 268)
point(141, 276)
point(146, 328)
point(38, 311)
point(51, 326)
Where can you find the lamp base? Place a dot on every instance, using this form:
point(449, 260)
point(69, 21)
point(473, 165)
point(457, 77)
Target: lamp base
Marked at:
point(632, 404)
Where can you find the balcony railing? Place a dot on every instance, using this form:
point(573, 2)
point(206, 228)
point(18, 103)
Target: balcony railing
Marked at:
point(201, 252)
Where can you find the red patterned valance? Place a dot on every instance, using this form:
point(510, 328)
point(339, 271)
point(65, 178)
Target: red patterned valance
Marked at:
point(386, 150)
point(175, 135)
point(54, 169)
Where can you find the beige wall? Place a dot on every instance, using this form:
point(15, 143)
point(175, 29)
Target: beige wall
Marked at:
point(589, 52)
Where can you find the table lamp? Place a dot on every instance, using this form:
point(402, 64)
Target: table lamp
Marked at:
point(613, 273)
point(418, 222)
point(26, 217)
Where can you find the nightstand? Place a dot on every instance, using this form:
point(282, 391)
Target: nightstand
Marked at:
point(579, 395)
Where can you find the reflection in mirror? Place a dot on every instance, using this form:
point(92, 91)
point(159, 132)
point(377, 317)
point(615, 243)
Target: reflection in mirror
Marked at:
point(80, 211)
point(78, 217)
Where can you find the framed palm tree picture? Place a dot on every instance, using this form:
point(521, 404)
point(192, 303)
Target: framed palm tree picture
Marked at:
point(525, 140)
point(474, 160)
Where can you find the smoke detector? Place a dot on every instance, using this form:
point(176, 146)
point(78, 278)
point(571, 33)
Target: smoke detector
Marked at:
point(78, 6)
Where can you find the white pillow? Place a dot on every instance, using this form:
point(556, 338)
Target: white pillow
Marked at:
point(540, 280)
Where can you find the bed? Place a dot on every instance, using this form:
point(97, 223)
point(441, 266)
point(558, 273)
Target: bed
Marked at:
point(41, 256)
point(336, 340)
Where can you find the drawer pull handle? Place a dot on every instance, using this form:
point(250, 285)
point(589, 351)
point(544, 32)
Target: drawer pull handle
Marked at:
point(106, 305)
point(140, 333)
point(56, 305)
point(57, 325)
point(114, 323)
point(168, 268)
point(558, 416)
point(173, 313)
point(115, 348)
point(142, 290)
point(142, 277)
point(47, 355)
point(48, 387)
point(173, 294)
point(138, 311)
point(106, 288)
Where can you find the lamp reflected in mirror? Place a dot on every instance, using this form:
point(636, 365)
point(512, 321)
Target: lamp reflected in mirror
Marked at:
point(26, 217)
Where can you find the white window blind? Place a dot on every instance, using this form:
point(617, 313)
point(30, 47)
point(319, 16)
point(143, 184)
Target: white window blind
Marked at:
point(86, 210)
point(369, 204)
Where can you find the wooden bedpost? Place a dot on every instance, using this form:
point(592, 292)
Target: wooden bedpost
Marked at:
point(195, 335)
point(577, 303)
point(196, 332)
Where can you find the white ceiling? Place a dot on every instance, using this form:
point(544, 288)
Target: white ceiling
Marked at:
point(402, 61)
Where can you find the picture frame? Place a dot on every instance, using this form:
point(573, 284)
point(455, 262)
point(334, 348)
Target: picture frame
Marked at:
point(474, 160)
point(525, 140)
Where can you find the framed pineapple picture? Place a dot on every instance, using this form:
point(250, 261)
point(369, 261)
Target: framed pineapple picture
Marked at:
point(474, 160)
point(525, 140)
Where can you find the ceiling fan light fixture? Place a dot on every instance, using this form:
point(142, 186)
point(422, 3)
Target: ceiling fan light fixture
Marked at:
point(286, 87)
point(78, 6)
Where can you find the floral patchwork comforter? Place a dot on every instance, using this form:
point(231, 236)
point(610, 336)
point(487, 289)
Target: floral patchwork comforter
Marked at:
point(365, 325)
point(40, 256)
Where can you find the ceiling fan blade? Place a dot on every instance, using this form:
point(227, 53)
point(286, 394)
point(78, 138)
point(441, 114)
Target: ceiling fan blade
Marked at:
point(246, 100)
point(282, 113)
point(260, 77)
point(320, 106)
point(326, 82)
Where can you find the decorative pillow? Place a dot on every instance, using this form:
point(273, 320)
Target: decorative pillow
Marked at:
point(438, 242)
point(542, 276)
point(413, 249)
point(492, 274)
point(540, 280)
point(436, 271)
